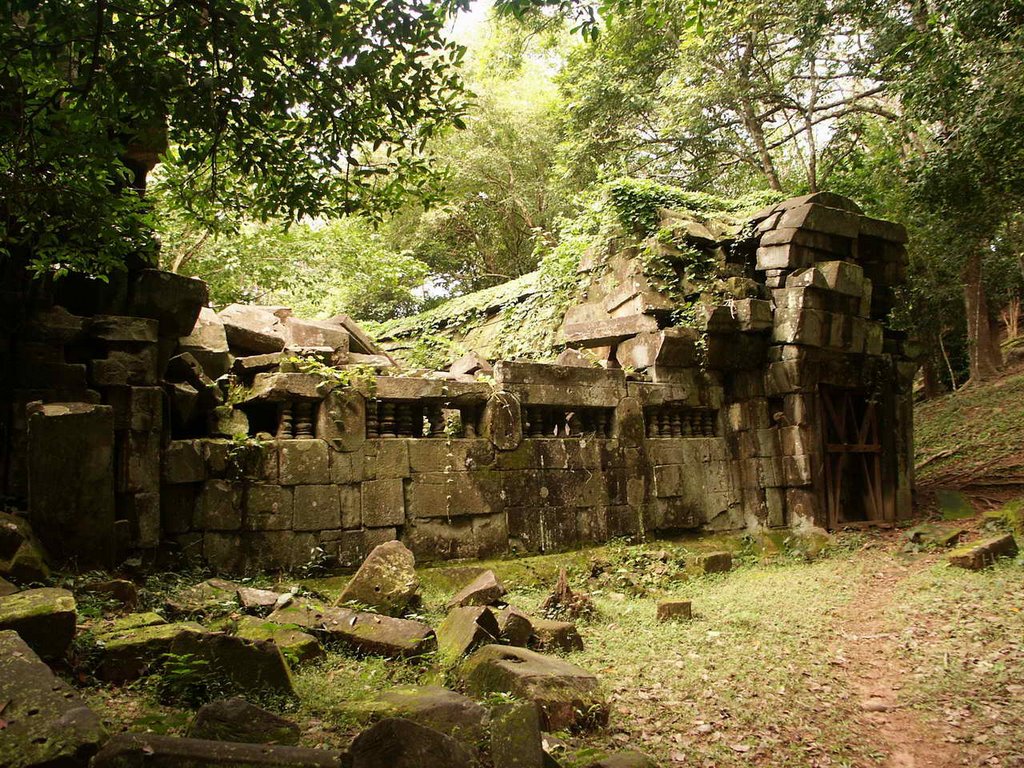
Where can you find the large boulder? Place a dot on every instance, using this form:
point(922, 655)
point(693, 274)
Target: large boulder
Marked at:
point(244, 665)
point(21, 556)
point(45, 619)
point(235, 719)
point(485, 589)
point(363, 632)
point(148, 750)
point(566, 695)
point(130, 649)
point(255, 330)
point(45, 723)
point(386, 580)
point(466, 628)
point(398, 743)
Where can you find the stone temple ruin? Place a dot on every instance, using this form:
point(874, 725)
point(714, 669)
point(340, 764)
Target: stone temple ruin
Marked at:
point(137, 421)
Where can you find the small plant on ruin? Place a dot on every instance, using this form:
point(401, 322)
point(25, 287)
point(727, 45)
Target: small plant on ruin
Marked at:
point(363, 377)
point(564, 604)
point(186, 680)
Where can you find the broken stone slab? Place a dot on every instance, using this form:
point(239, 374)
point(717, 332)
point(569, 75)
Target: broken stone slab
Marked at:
point(674, 610)
point(471, 363)
point(314, 333)
point(128, 652)
point(399, 743)
point(172, 300)
point(443, 710)
point(464, 629)
point(386, 580)
point(259, 601)
point(672, 347)
point(283, 387)
point(45, 722)
point(118, 590)
point(341, 420)
point(611, 331)
point(502, 421)
point(555, 635)
point(253, 329)
point(21, 555)
point(213, 596)
point(148, 750)
point(250, 365)
point(843, 277)
point(935, 536)
point(360, 341)
point(132, 330)
point(516, 740)
point(714, 562)
point(235, 719)
point(131, 621)
point(821, 218)
point(44, 618)
point(256, 666)
point(186, 369)
point(227, 421)
point(208, 344)
point(297, 647)
point(365, 632)
point(566, 695)
point(982, 554)
point(514, 626)
point(485, 589)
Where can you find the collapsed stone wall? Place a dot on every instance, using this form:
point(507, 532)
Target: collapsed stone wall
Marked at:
point(140, 421)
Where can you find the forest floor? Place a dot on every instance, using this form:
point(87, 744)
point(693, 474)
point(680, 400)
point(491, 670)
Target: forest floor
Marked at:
point(874, 652)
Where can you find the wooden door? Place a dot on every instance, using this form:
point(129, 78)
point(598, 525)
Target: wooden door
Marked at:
point(853, 458)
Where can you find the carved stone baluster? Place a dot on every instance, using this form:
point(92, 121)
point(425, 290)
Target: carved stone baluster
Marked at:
point(303, 419)
point(372, 422)
point(675, 423)
point(284, 422)
point(387, 420)
point(403, 420)
point(651, 419)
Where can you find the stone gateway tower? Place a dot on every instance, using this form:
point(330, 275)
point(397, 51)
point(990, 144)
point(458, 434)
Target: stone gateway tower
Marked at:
point(727, 371)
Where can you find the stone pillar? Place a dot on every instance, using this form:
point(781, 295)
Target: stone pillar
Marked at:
point(71, 481)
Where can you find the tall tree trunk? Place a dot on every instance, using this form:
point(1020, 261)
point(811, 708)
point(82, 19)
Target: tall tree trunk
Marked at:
point(932, 384)
point(982, 344)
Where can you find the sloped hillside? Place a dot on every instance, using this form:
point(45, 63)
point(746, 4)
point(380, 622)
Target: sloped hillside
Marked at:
point(973, 438)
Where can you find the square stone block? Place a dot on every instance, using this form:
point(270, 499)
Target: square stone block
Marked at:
point(303, 462)
point(454, 494)
point(268, 508)
point(347, 467)
point(183, 462)
point(383, 503)
point(220, 506)
point(178, 507)
point(316, 508)
point(350, 498)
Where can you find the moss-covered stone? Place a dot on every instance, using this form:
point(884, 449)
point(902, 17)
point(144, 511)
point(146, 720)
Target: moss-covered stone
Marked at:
point(298, 647)
point(386, 580)
point(430, 705)
point(22, 558)
point(45, 721)
point(981, 554)
point(131, 621)
point(127, 654)
point(235, 719)
point(45, 619)
point(245, 665)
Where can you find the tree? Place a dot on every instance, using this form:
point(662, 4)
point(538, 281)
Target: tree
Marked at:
point(288, 108)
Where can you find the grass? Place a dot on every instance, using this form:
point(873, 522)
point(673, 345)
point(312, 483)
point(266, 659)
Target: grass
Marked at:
point(756, 678)
point(972, 434)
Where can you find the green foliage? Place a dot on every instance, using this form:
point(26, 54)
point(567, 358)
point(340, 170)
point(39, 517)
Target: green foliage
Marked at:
point(286, 109)
point(363, 377)
point(318, 269)
point(186, 680)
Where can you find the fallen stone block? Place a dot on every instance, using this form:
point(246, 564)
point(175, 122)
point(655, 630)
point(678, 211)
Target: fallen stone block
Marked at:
point(213, 596)
point(314, 333)
point(259, 601)
point(147, 750)
point(45, 723)
point(208, 344)
point(118, 590)
point(44, 618)
point(471, 363)
point(283, 387)
point(129, 652)
point(714, 562)
point(983, 553)
point(235, 719)
point(386, 580)
point(364, 632)
point(255, 666)
point(399, 743)
point(514, 627)
point(297, 647)
point(464, 629)
point(257, 330)
point(485, 589)
point(21, 555)
point(935, 536)
point(672, 610)
point(516, 736)
point(566, 695)
point(443, 710)
point(555, 635)
point(171, 299)
point(671, 348)
point(131, 621)
point(6, 588)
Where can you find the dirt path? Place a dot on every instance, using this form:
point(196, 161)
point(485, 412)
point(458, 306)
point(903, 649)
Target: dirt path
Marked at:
point(875, 672)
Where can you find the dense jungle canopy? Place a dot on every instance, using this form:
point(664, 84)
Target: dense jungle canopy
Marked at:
point(378, 158)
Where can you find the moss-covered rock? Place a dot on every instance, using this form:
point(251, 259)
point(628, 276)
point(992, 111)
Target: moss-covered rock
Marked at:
point(385, 581)
point(45, 619)
point(45, 721)
point(981, 554)
point(297, 646)
point(128, 653)
point(22, 558)
point(429, 705)
point(235, 719)
point(255, 666)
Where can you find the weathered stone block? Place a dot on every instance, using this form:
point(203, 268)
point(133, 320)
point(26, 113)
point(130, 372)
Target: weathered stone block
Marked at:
point(542, 528)
point(820, 218)
point(400, 743)
point(341, 420)
point(236, 720)
point(454, 494)
point(444, 539)
point(220, 506)
point(981, 554)
point(131, 649)
point(797, 470)
point(44, 618)
point(714, 562)
point(269, 507)
point(46, 723)
point(671, 610)
point(611, 331)
point(137, 408)
point(135, 750)
point(555, 635)
point(516, 736)
point(303, 462)
point(240, 663)
point(843, 277)
point(258, 330)
point(348, 467)
point(383, 503)
point(350, 502)
point(502, 422)
point(71, 480)
point(672, 347)
point(465, 628)
point(316, 507)
point(313, 333)
point(457, 455)
point(282, 387)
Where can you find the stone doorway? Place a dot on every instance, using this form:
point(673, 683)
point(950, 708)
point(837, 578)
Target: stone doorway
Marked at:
point(854, 491)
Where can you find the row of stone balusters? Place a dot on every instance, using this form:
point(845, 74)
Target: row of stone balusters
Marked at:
point(296, 419)
point(679, 421)
point(560, 421)
point(391, 418)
